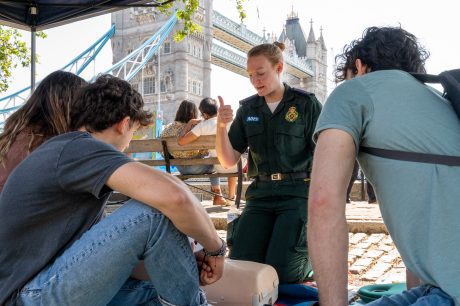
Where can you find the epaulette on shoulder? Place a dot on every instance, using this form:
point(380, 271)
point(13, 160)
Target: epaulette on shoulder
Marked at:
point(249, 99)
point(302, 92)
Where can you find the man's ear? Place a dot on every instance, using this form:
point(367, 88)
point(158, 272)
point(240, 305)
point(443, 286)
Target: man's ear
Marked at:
point(123, 125)
point(360, 67)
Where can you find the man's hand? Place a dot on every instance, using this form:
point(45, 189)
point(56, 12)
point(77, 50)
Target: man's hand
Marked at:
point(224, 114)
point(211, 268)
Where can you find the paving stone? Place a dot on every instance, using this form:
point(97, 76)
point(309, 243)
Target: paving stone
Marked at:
point(385, 247)
point(364, 262)
point(356, 238)
point(373, 254)
point(400, 264)
point(389, 258)
point(357, 269)
point(363, 245)
point(375, 238)
point(376, 271)
point(357, 252)
point(394, 275)
point(388, 240)
point(351, 259)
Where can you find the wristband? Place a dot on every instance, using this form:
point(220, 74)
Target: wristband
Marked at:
point(219, 253)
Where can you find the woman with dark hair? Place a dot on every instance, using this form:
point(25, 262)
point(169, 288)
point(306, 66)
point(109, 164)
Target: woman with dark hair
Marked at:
point(277, 126)
point(45, 114)
point(186, 119)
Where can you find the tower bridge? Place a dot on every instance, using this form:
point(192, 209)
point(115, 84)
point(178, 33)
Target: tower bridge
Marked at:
point(183, 70)
point(166, 72)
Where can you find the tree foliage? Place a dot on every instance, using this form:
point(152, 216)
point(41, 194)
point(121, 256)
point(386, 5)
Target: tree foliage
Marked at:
point(13, 52)
point(186, 15)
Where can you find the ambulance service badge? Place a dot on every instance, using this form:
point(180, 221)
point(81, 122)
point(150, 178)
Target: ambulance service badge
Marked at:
point(291, 114)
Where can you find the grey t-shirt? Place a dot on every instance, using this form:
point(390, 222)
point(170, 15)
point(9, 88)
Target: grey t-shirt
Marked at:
point(49, 201)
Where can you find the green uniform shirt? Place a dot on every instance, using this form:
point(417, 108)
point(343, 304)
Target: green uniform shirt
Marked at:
point(279, 142)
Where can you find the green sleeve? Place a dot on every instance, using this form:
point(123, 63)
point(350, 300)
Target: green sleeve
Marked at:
point(237, 134)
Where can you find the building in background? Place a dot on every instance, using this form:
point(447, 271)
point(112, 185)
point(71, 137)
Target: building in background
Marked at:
point(309, 49)
point(183, 70)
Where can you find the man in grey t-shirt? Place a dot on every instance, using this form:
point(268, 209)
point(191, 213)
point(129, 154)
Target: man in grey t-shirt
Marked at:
point(383, 106)
point(55, 247)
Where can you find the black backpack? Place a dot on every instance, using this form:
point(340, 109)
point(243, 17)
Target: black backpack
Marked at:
point(450, 81)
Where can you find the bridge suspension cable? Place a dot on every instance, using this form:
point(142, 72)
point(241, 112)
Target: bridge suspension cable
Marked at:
point(130, 65)
point(126, 68)
point(12, 102)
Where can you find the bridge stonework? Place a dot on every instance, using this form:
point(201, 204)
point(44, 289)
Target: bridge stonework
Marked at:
point(185, 67)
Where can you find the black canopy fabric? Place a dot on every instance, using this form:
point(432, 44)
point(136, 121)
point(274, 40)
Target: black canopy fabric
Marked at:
point(43, 14)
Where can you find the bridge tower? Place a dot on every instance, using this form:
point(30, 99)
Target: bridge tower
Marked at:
point(311, 50)
point(180, 71)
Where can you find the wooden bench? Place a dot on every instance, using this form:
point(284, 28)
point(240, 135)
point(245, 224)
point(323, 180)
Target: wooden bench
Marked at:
point(166, 145)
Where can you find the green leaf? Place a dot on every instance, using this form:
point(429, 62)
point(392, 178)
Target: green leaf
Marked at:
point(13, 52)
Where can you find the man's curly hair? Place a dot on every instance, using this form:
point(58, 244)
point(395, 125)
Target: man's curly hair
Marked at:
point(382, 48)
point(106, 102)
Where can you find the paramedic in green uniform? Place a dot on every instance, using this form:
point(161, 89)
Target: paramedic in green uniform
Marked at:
point(276, 125)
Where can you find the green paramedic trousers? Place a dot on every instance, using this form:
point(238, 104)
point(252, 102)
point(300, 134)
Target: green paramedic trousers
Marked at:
point(273, 231)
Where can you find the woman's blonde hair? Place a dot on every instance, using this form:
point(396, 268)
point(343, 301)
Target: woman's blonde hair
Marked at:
point(273, 52)
point(46, 113)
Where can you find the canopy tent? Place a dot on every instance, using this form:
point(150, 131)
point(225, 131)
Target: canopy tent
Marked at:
point(33, 15)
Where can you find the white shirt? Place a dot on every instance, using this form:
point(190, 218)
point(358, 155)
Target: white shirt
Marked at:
point(206, 127)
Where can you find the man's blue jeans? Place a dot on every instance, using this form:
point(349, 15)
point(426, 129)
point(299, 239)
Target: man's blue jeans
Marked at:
point(425, 295)
point(96, 269)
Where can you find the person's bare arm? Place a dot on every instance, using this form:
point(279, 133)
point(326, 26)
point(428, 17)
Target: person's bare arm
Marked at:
point(187, 138)
point(169, 195)
point(189, 126)
point(327, 228)
point(227, 156)
point(412, 280)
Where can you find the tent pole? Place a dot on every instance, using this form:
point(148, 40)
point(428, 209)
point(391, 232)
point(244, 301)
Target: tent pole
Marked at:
point(32, 59)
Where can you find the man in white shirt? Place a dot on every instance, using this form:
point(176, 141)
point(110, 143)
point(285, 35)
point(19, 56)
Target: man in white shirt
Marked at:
point(208, 108)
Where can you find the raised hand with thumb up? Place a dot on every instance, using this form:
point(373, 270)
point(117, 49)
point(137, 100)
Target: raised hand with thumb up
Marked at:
point(224, 114)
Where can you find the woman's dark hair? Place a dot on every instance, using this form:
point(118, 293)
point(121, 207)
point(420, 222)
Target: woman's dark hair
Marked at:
point(187, 110)
point(273, 52)
point(382, 48)
point(208, 106)
point(106, 102)
point(46, 113)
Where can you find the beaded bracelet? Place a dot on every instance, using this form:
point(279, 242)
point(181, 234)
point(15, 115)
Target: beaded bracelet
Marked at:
point(219, 253)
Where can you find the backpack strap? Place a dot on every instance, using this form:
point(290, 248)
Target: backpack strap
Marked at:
point(413, 156)
point(450, 81)
point(426, 78)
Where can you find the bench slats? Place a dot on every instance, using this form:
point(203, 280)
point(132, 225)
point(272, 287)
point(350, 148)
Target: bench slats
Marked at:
point(181, 162)
point(207, 175)
point(154, 145)
point(169, 144)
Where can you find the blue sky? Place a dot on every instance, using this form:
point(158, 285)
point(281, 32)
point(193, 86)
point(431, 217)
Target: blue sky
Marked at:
point(342, 21)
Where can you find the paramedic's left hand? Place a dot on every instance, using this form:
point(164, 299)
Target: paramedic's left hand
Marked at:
point(210, 268)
